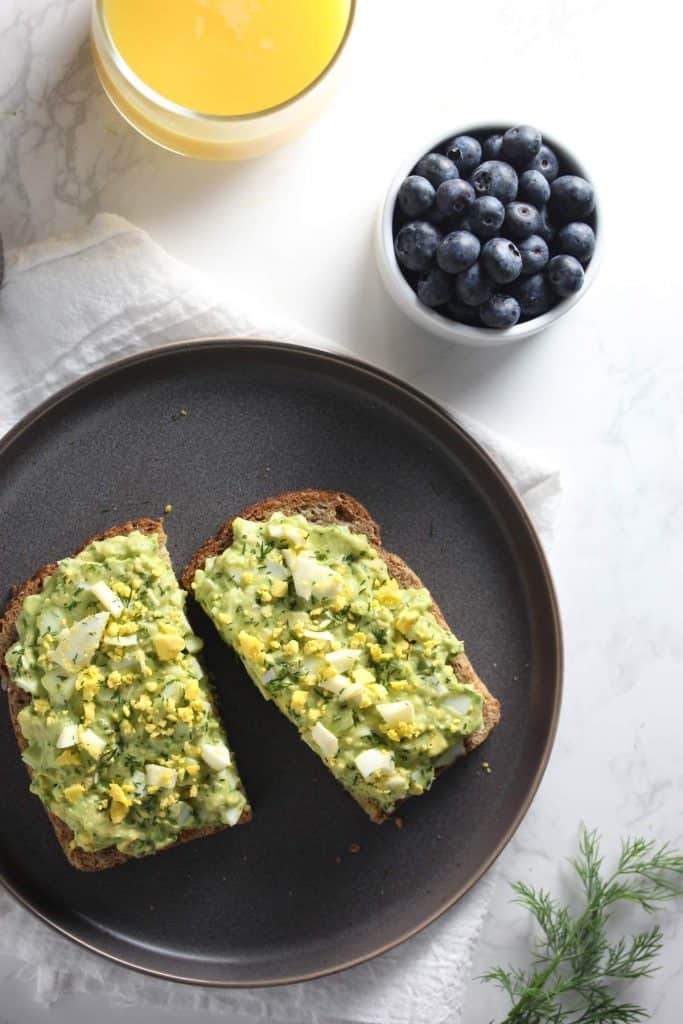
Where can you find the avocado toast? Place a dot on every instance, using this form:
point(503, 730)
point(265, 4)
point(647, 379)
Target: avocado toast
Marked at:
point(345, 639)
point(111, 709)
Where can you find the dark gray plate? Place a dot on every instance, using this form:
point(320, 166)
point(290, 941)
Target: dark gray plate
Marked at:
point(283, 899)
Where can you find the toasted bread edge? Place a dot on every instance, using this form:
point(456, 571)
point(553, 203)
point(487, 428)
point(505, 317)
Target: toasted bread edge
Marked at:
point(83, 860)
point(336, 507)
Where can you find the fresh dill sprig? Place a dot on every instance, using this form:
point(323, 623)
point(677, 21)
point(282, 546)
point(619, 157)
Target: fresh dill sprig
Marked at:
point(576, 968)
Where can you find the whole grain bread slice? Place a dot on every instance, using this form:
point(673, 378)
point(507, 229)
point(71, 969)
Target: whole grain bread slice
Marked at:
point(17, 699)
point(335, 507)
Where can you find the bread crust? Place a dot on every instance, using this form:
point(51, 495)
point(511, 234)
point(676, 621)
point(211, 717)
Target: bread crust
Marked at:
point(336, 507)
point(83, 860)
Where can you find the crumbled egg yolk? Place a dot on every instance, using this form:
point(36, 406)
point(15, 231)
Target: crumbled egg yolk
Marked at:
point(115, 687)
point(299, 701)
point(74, 792)
point(168, 645)
point(336, 639)
point(250, 646)
point(120, 803)
point(88, 681)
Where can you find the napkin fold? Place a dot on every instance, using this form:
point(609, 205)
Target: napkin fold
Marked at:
point(69, 305)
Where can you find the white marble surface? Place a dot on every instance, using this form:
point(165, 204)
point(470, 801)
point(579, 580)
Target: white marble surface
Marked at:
point(603, 389)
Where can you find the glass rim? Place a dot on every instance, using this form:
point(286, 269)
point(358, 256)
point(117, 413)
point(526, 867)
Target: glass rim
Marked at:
point(176, 108)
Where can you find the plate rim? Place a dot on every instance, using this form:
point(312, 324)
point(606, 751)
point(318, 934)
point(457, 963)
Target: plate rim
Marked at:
point(338, 356)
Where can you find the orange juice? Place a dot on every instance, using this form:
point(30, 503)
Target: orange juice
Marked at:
point(227, 57)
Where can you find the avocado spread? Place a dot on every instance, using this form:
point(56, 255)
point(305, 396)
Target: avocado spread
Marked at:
point(123, 741)
point(357, 663)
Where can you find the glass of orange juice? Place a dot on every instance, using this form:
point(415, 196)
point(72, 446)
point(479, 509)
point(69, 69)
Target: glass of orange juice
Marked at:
point(219, 79)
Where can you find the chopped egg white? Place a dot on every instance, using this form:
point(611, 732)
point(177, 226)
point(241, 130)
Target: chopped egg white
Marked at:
point(374, 760)
point(172, 690)
point(328, 583)
point(215, 755)
point(91, 742)
point(122, 641)
point(78, 644)
point(59, 687)
point(311, 577)
point(68, 736)
point(335, 685)
point(49, 620)
point(107, 598)
point(397, 711)
point(139, 781)
point(303, 570)
point(161, 776)
point(29, 685)
point(276, 569)
point(449, 755)
point(459, 702)
point(353, 693)
point(325, 740)
point(194, 667)
point(233, 814)
point(287, 531)
point(182, 812)
point(343, 659)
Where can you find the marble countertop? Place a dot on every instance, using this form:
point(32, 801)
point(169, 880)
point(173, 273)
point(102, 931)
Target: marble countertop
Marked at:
point(602, 390)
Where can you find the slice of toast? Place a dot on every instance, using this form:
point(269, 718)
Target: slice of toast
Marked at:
point(17, 698)
point(337, 508)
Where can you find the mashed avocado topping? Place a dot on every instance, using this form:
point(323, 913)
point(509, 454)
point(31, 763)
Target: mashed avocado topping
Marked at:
point(123, 740)
point(357, 663)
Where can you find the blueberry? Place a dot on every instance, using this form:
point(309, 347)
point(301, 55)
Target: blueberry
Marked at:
point(546, 162)
point(465, 152)
point(458, 251)
point(534, 295)
point(416, 195)
point(435, 287)
point(472, 287)
point(485, 216)
point(534, 252)
point(416, 244)
point(436, 168)
point(495, 178)
point(492, 148)
point(565, 275)
point(547, 230)
point(533, 188)
point(521, 220)
point(502, 260)
point(463, 314)
point(500, 311)
point(521, 144)
point(571, 198)
point(453, 197)
point(577, 240)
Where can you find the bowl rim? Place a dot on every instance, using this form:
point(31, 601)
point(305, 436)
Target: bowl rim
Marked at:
point(435, 322)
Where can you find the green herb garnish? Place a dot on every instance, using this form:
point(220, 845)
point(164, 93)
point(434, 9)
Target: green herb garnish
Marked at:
point(576, 968)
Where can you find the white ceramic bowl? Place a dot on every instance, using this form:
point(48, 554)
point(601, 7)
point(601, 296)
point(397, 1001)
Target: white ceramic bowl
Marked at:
point(406, 299)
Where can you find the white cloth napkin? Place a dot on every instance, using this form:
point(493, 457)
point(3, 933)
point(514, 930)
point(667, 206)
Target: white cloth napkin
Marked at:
point(69, 305)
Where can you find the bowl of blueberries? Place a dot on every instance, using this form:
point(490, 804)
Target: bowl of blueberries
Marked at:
point(489, 235)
